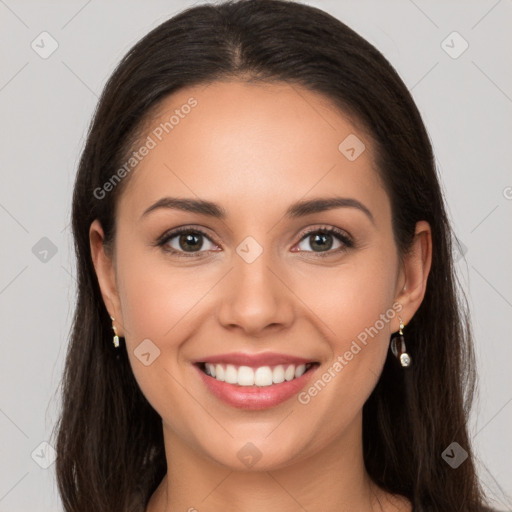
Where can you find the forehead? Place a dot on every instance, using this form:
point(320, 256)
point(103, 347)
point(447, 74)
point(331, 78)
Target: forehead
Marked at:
point(251, 146)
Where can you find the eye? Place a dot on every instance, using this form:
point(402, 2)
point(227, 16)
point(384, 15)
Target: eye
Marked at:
point(188, 240)
point(321, 238)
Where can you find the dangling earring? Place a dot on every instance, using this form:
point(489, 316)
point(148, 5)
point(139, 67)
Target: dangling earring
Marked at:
point(116, 337)
point(400, 352)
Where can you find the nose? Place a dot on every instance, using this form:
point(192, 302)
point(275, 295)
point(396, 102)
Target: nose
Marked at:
point(255, 297)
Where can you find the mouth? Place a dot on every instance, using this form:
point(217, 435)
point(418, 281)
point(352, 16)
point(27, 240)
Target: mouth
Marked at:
point(261, 376)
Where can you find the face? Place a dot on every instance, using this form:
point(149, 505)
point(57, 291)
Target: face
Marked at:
point(311, 285)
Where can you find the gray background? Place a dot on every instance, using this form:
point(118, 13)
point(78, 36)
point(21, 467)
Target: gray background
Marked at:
point(46, 105)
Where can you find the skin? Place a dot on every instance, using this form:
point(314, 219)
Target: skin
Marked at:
point(254, 150)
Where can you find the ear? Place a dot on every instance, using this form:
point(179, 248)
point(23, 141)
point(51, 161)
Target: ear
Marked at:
point(414, 273)
point(105, 271)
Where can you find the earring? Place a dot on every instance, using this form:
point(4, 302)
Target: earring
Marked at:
point(116, 337)
point(400, 352)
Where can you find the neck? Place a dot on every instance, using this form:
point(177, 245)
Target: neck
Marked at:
point(334, 479)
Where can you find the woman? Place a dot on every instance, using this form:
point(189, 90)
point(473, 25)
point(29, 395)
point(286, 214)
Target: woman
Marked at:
point(267, 314)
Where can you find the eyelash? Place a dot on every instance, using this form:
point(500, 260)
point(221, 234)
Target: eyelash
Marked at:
point(337, 233)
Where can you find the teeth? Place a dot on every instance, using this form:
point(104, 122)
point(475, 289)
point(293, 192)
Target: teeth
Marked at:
point(219, 372)
point(262, 376)
point(289, 373)
point(210, 369)
point(231, 374)
point(245, 376)
point(300, 370)
point(278, 374)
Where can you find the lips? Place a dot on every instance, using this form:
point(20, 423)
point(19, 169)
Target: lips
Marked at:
point(254, 397)
point(255, 380)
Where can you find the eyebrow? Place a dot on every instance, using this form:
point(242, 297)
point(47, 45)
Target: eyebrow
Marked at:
point(296, 210)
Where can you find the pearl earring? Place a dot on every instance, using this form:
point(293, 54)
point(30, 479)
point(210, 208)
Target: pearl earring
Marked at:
point(116, 337)
point(400, 351)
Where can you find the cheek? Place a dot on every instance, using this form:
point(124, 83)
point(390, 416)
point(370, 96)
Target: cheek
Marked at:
point(158, 304)
point(355, 310)
point(155, 296)
point(351, 299)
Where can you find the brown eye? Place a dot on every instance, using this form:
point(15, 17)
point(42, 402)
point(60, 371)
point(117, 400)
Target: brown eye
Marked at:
point(185, 240)
point(321, 240)
point(190, 242)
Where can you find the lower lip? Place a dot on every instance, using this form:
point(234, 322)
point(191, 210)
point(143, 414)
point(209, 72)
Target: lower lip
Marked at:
point(255, 397)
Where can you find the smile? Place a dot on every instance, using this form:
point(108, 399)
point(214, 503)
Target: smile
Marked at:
point(255, 388)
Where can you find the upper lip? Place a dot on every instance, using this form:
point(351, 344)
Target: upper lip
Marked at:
point(254, 360)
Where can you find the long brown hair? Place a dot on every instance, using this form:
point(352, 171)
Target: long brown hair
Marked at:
point(110, 451)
